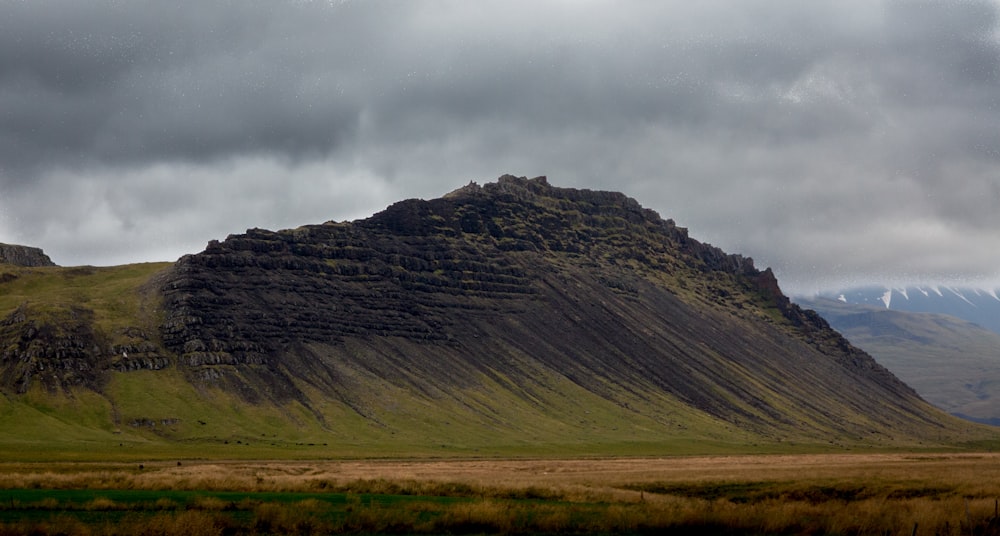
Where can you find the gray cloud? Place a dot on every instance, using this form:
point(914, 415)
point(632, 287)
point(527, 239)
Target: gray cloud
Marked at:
point(836, 141)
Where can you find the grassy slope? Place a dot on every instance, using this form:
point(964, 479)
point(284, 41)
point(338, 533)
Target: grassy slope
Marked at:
point(216, 425)
point(111, 292)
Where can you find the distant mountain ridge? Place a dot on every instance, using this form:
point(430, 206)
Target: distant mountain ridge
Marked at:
point(979, 306)
point(514, 313)
point(951, 362)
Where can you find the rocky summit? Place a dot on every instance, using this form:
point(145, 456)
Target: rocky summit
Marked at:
point(512, 313)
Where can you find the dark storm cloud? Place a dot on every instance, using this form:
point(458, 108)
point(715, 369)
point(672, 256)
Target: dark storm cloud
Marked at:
point(832, 140)
point(129, 83)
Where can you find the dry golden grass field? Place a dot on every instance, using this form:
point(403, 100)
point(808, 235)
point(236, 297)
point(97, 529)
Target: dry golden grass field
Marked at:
point(893, 493)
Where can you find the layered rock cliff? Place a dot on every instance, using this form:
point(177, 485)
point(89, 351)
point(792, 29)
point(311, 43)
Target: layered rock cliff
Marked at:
point(511, 282)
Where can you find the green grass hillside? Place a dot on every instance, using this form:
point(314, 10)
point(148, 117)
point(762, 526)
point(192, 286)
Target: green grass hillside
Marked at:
point(115, 295)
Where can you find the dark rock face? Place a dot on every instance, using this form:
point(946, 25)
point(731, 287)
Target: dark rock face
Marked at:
point(500, 280)
point(410, 272)
point(24, 256)
point(62, 349)
point(60, 353)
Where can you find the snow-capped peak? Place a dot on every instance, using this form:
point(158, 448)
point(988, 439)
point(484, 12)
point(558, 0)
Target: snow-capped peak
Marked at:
point(970, 303)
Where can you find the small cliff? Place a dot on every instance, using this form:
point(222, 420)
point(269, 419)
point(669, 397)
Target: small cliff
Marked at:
point(23, 256)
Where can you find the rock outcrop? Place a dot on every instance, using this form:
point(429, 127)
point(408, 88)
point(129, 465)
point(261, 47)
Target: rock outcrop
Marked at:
point(60, 353)
point(23, 256)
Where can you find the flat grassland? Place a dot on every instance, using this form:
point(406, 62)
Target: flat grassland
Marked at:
point(888, 493)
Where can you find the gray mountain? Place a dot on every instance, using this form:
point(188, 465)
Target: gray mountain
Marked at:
point(953, 363)
point(979, 306)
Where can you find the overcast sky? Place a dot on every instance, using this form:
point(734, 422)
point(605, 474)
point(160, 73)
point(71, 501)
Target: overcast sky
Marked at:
point(839, 142)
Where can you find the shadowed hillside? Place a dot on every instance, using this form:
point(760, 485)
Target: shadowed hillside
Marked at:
point(509, 317)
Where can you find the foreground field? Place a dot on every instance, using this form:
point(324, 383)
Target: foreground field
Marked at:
point(801, 494)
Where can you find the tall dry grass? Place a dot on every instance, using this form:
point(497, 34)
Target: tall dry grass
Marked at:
point(493, 516)
point(192, 523)
point(975, 473)
point(842, 494)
